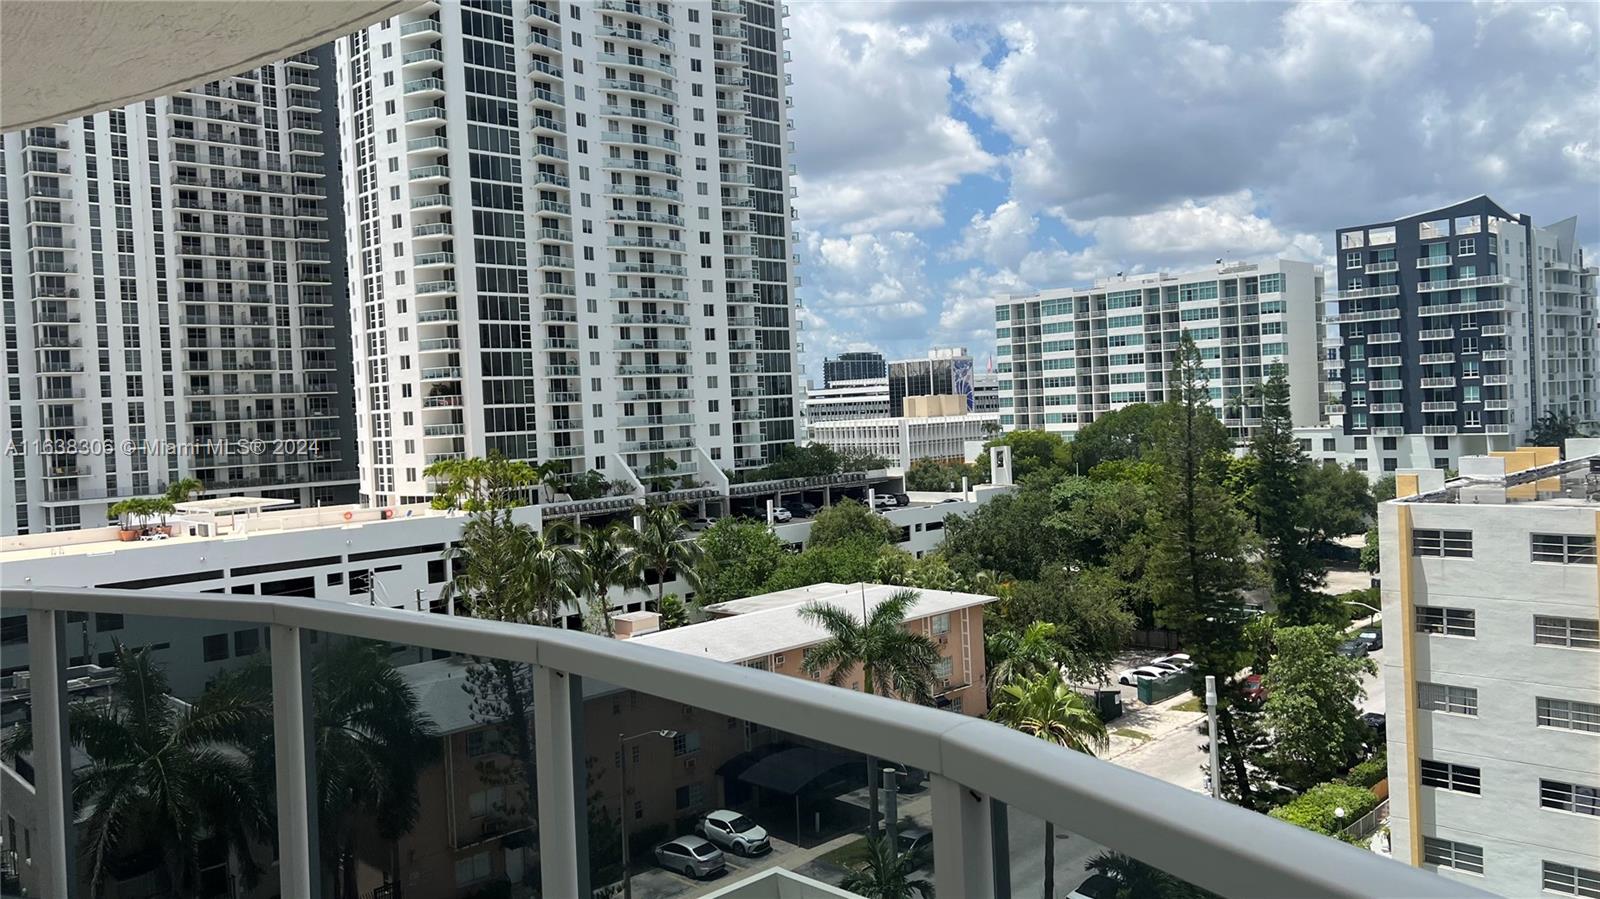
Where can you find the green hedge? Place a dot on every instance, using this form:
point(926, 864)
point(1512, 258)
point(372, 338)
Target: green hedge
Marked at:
point(1314, 809)
point(1368, 773)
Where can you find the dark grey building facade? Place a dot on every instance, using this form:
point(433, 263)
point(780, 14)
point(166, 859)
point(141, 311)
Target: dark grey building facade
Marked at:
point(853, 367)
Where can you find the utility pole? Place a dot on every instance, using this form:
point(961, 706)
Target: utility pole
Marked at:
point(1216, 746)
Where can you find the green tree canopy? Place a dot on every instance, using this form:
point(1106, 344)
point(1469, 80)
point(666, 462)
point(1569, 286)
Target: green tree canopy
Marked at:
point(1554, 428)
point(1004, 535)
point(848, 521)
point(845, 563)
point(1087, 611)
point(936, 475)
point(1280, 503)
point(1311, 707)
point(1125, 434)
point(1032, 452)
point(737, 557)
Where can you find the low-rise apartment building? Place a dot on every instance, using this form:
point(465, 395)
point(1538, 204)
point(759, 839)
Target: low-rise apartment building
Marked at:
point(904, 439)
point(1491, 598)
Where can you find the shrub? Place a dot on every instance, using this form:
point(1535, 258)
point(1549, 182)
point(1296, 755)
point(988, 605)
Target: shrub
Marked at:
point(1314, 809)
point(1368, 773)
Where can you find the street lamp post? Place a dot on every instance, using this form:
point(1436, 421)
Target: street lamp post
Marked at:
point(622, 803)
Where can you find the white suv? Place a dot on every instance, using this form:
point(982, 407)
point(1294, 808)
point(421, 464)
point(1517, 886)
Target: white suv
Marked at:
point(733, 832)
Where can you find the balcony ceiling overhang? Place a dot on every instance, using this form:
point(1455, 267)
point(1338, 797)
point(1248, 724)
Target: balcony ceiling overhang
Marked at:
point(59, 60)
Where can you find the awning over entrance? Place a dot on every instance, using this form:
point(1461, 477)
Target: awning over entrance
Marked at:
point(793, 770)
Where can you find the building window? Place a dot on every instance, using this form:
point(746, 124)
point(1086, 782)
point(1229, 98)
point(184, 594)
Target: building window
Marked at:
point(104, 621)
point(1570, 880)
point(1580, 799)
point(473, 869)
point(1447, 698)
point(1447, 622)
point(1567, 549)
point(485, 802)
point(1450, 854)
point(1448, 544)
point(941, 623)
point(214, 648)
point(1568, 714)
point(690, 796)
point(1452, 777)
point(1576, 633)
point(247, 642)
point(686, 742)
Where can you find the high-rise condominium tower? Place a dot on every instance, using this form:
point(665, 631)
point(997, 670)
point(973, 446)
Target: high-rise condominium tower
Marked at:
point(172, 305)
point(569, 226)
point(1462, 324)
point(1068, 356)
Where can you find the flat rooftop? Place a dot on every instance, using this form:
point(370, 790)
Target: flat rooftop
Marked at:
point(771, 623)
point(94, 541)
point(1528, 476)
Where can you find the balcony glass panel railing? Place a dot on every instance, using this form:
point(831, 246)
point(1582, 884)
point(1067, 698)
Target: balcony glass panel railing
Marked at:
point(355, 669)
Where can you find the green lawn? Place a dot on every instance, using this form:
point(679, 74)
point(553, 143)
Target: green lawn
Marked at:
point(1131, 733)
point(847, 856)
point(1192, 704)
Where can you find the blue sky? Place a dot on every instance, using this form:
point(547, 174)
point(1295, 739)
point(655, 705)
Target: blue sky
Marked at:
point(949, 152)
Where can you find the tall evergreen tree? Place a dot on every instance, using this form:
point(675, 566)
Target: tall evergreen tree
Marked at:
point(1278, 500)
point(1198, 541)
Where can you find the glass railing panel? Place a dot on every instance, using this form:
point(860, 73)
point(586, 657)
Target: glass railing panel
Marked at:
point(1077, 867)
point(773, 803)
point(426, 769)
point(172, 775)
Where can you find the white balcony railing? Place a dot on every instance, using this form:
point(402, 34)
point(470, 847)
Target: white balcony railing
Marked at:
point(972, 764)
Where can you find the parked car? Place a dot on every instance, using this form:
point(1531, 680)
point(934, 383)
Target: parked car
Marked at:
point(902, 499)
point(1176, 663)
point(781, 514)
point(1379, 724)
point(1098, 886)
point(691, 856)
point(734, 832)
point(1130, 677)
point(913, 839)
point(800, 508)
point(1178, 657)
point(951, 499)
point(1353, 649)
point(700, 523)
point(1252, 688)
point(1373, 638)
point(884, 501)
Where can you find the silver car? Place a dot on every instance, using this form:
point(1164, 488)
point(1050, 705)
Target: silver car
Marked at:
point(691, 856)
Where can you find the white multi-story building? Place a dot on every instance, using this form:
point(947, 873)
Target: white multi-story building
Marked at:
point(569, 226)
point(1492, 670)
point(903, 439)
point(172, 307)
point(1066, 356)
point(1456, 329)
point(848, 399)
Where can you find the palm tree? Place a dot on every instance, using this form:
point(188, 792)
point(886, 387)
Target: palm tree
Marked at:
point(1047, 708)
point(662, 544)
point(604, 562)
point(1137, 880)
point(893, 661)
point(887, 874)
point(1014, 656)
point(183, 489)
point(372, 743)
point(507, 572)
point(163, 776)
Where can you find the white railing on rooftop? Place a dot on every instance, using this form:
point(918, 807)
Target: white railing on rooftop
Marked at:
point(972, 763)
